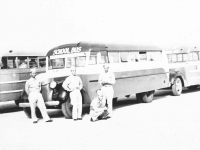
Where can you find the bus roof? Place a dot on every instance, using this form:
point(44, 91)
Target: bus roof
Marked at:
point(91, 46)
point(182, 49)
point(21, 53)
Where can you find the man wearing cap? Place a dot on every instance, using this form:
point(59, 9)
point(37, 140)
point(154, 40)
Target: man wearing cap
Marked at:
point(73, 84)
point(33, 88)
point(107, 79)
point(98, 109)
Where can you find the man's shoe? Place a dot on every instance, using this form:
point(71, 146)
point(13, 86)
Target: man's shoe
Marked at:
point(92, 120)
point(75, 119)
point(79, 119)
point(49, 120)
point(34, 121)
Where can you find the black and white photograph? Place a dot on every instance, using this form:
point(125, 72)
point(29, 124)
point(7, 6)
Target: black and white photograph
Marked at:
point(99, 75)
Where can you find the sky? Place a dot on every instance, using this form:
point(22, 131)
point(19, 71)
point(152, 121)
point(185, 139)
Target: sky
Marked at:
point(40, 25)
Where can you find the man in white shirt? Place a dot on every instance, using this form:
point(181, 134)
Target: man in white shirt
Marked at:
point(73, 84)
point(107, 79)
point(98, 109)
point(33, 88)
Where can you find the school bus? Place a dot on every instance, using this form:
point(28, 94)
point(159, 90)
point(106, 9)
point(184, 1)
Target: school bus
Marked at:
point(139, 69)
point(184, 65)
point(15, 70)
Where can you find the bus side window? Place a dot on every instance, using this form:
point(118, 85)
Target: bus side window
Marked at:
point(180, 57)
point(42, 62)
point(33, 62)
point(169, 56)
point(124, 57)
point(195, 56)
point(174, 58)
point(133, 57)
point(93, 60)
point(12, 62)
point(185, 57)
point(143, 56)
point(22, 62)
point(150, 56)
point(114, 57)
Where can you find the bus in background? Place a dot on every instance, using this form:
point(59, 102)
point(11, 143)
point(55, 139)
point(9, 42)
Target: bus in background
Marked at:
point(15, 70)
point(139, 69)
point(184, 65)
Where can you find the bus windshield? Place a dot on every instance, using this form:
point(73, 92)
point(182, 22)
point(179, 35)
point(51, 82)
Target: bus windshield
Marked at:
point(59, 63)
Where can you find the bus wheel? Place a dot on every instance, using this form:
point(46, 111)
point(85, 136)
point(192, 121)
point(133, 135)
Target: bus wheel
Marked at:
point(147, 97)
point(193, 87)
point(27, 111)
point(67, 109)
point(177, 87)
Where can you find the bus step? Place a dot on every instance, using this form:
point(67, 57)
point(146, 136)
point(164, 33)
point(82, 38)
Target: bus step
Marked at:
point(51, 103)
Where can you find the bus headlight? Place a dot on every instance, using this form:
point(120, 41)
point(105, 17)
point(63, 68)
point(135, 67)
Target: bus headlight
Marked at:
point(53, 84)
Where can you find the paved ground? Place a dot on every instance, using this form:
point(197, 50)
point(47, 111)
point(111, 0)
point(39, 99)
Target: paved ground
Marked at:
point(167, 123)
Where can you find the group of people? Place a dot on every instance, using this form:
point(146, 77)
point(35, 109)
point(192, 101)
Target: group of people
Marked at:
point(101, 107)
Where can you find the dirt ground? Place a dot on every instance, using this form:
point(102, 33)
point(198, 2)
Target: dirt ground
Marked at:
point(169, 122)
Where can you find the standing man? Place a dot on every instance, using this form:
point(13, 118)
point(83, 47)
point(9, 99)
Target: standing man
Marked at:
point(107, 79)
point(33, 88)
point(73, 84)
point(98, 109)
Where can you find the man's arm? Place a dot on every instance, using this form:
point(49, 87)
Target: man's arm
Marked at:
point(80, 84)
point(27, 88)
point(65, 85)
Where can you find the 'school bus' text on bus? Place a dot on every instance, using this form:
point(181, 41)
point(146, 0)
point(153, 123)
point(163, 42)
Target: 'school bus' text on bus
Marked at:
point(15, 71)
point(139, 69)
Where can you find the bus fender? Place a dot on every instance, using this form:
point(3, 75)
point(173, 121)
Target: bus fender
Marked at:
point(24, 97)
point(63, 95)
point(172, 79)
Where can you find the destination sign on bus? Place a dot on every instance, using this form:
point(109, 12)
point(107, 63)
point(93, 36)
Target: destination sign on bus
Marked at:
point(67, 50)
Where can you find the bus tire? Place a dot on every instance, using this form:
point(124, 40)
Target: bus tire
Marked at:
point(193, 87)
point(67, 109)
point(177, 87)
point(145, 97)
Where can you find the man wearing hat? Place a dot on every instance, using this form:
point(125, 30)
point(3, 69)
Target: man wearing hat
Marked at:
point(98, 109)
point(73, 83)
point(33, 88)
point(107, 79)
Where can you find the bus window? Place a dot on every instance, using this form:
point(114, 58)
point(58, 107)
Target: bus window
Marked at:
point(11, 62)
point(80, 61)
point(93, 60)
point(42, 62)
point(124, 57)
point(180, 57)
point(133, 57)
point(22, 62)
point(143, 56)
point(114, 57)
point(33, 62)
point(57, 63)
point(169, 56)
point(185, 57)
point(174, 58)
point(193, 56)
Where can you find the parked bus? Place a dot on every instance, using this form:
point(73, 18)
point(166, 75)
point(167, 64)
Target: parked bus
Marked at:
point(15, 70)
point(139, 69)
point(184, 65)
